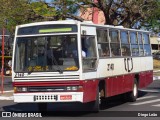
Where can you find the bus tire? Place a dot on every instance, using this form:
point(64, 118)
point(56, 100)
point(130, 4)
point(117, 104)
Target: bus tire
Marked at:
point(132, 96)
point(97, 102)
point(42, 107)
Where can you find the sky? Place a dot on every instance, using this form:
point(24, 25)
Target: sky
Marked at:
point(48, 0)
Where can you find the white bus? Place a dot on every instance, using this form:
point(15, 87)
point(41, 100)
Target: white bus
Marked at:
point(71, 61)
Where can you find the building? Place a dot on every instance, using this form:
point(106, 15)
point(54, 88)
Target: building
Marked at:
point(87, 14)
point(155, 43)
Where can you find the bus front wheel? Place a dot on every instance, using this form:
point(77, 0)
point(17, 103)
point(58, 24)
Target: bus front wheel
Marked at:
point(96, 104)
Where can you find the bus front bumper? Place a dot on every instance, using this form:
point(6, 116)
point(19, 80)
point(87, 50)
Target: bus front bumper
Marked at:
point(49, 97)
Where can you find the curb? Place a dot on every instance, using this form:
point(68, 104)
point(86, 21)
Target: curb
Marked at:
point(7, 95)
point(6, 98)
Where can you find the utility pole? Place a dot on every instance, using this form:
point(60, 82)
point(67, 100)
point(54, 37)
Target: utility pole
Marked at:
point(2, 69)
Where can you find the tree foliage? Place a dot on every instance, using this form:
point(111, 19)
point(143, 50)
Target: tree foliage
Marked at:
point(17, 12)
point(128, 13)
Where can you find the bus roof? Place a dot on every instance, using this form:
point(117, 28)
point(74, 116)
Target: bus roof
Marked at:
point(84, 23)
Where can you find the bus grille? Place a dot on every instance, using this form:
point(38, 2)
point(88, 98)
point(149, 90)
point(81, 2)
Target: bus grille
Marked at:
point(45, 97)
point(46, 89)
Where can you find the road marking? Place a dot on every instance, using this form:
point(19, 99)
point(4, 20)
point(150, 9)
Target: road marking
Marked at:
point(146, 102)
point(152, 91)
point(158, 105)
point(146, 97)
point(6, 98)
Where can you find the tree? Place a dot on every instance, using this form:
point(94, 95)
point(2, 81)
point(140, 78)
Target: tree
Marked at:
point(128, 13)
point(67, 9)
point(153, 22)
point(12, 11)
point(24, 11)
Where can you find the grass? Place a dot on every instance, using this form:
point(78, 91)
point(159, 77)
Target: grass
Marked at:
point(156, 64)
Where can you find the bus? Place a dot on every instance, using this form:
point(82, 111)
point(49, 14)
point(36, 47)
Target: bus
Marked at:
point(71, 61)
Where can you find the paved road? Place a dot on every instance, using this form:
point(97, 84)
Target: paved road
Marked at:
point(148, 103)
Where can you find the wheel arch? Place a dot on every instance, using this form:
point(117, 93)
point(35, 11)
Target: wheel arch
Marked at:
point(102, 86)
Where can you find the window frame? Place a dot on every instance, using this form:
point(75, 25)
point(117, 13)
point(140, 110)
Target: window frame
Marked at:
point(118, 42)
point(127, 44)
point(133, 42)
point(107, 42)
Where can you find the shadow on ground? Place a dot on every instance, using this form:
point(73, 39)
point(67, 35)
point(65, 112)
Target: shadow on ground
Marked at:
point(69, 109)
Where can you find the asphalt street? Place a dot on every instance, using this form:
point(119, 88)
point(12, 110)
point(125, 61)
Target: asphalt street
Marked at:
point(148, 103)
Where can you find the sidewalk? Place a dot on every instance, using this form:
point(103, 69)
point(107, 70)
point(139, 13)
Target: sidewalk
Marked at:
point(7, 95)
point(156, 77)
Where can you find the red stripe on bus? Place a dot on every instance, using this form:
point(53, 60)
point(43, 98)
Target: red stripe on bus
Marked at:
point(47, 83)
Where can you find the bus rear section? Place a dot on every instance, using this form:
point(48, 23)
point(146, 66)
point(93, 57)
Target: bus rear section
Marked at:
point(70, 61)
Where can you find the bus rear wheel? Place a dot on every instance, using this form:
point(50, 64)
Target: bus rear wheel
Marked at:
point(132, 96)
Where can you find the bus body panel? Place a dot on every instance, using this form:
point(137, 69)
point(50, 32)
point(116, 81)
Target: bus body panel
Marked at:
point(49, 97)
point(145, 78)
point(118, 73)
point(90, 89)
point(118, 85)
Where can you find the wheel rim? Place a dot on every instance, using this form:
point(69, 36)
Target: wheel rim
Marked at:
point(135, 90)
point(99, 98)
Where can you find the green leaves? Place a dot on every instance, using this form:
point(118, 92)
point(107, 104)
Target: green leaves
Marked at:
point(117, 12)
point(42, 9)
point(18, 12)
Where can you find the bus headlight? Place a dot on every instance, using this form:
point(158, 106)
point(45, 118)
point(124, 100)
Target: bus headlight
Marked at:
point(69, 88)
point(74, 88)
point(24, 89)
point(20, 89)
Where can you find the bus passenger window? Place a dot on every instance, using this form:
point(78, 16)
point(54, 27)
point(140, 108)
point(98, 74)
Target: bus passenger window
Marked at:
point(103, 49)
point(134, 44)
point(125, 46)
point(103, 43)
point(126, 50)
point(147, 48)
point(141, 50)
point(115, 44)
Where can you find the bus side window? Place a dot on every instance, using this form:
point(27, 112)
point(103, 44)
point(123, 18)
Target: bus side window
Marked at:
point(140, 40)
point(103, 43)
point(134, 44)
point(147, 48)
point(115, 44)
point(125, 43)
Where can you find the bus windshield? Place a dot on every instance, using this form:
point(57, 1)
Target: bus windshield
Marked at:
point(46, 53)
